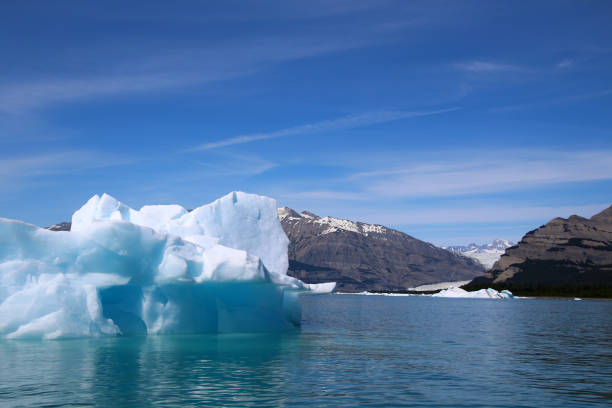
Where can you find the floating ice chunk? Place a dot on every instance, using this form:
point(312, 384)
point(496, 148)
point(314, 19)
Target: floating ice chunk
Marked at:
point(321, 287)
point(454, 292)
point(158, 270)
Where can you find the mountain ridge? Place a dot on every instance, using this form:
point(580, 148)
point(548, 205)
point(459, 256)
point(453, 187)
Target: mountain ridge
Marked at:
point(573, 252)
point(361, 256)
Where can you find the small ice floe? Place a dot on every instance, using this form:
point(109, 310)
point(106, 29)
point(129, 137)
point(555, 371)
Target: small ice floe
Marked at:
point(454, 292)
point(438, 286)
point(366, 293)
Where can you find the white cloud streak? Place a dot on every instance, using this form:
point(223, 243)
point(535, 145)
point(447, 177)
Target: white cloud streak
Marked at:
point(554, 101)
point(418, 188)
point(472, 174)
point(325, 195)
point(566, 63)
point(486, 67)
point(173, 71)
point(348, 122)
point(482, 214)
point(20, 98)
point(18, 172)
point(236, 165)
point(182, 69)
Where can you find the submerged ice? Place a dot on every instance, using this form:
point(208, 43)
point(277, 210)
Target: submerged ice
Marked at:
point(219, 268)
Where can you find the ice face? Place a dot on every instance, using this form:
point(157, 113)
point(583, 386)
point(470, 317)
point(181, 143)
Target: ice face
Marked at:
point(157, 270)
point(237, 220)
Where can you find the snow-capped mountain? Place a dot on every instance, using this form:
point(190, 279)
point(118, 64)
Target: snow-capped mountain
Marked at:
point(486, 254)
point(360, 256)
point(331, 224)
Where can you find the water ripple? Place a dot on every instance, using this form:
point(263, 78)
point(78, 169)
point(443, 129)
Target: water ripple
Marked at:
point(352, 350)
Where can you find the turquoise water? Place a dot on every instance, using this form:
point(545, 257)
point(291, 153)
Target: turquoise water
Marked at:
point(351, 350)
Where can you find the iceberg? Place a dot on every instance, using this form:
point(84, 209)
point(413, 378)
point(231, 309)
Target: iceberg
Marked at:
point(454, 292)
point(221, 267)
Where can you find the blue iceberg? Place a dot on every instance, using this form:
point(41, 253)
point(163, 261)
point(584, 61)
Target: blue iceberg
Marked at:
point(219, 268)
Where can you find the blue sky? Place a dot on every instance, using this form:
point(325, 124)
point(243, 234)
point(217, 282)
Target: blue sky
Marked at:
point(452, 121)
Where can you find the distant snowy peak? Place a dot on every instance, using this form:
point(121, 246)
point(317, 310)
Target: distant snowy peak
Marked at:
point(499, 244)
point(328, 225)
point(486, 254)
point(496, 244)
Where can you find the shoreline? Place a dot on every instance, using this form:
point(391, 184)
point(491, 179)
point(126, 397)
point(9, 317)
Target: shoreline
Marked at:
point(428, 294)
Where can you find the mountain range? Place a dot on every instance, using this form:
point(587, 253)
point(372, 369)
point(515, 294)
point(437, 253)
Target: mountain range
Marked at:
point(360, 256)
point(565, 257)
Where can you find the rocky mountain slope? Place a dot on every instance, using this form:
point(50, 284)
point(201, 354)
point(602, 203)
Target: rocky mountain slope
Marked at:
point(572, 252)
point(361, 256)
point(486, 254)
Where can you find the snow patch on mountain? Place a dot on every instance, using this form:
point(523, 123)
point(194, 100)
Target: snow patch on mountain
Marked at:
point(332, 224)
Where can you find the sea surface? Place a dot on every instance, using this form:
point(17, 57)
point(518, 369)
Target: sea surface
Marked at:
point(351, 350)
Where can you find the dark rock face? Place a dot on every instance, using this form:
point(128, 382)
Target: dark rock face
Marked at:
point(565, 252)
point(62, 226)
point(362, 256)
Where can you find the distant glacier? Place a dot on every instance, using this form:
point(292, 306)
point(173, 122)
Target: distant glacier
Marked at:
point(486, 254)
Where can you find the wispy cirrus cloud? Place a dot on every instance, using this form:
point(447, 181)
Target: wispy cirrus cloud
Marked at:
point(464, 214)
point(455, 174)
point(130, 71)
point(21, 171)
point(485, 67)
point(226, 11)
point(554, 101)
point(21, 97)
point(566, 63)
point(172, 71)
point(325, 195)
point(465, 175)
point(228, 165)
point(347, 122)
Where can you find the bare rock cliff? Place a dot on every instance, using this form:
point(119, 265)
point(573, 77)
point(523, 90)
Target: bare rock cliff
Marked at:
point(572, 251)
